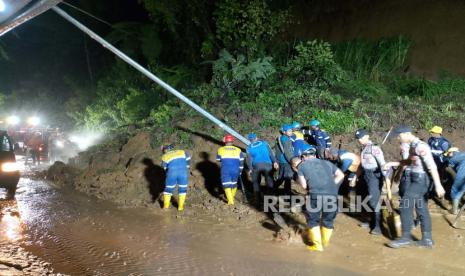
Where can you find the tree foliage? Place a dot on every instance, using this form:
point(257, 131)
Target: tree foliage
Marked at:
point(247, 26)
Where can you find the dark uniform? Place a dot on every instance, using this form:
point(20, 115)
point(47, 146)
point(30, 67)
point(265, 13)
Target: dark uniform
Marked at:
point(372, 160)
point(322, 205)
point(319, 175)
point(284, 154)
point(320, 139)
point(438, 147)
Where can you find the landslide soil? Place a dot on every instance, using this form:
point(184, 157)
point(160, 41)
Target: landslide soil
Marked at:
point(130, 175)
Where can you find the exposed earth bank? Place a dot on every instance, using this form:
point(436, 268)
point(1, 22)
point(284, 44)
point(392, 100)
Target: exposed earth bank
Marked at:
point(130, 173)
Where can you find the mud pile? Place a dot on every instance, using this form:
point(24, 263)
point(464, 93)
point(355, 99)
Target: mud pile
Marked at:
point(130, 174)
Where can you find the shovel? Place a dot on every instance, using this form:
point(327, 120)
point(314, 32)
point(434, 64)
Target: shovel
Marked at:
point(390, 216)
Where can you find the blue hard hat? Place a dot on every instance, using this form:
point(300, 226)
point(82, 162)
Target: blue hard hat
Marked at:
point(286, 127)
point(308, 150)
point(314, 123)
point(252, 136)
point(296, 125)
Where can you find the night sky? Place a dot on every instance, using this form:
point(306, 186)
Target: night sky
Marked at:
point(50, 53)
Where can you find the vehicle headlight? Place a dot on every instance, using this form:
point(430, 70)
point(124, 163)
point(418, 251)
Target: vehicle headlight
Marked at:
point(10, 167)
point(59, 144)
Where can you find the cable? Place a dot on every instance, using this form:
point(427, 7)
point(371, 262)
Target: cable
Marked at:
point(88, 14)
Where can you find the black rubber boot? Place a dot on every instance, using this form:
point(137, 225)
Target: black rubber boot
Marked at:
point(404, 241)
point(426, 240)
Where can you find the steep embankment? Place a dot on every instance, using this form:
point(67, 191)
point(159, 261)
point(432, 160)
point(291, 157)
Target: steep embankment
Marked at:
point(436, 27)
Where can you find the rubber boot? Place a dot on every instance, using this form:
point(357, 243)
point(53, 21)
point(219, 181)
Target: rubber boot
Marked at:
point(229, 196)
point(376, 230)
point(315, 238)
point(426, 240)
point(234, 191)
point(166, 201)
point(404, 241)
point(326, 234)
point(182, 199)
point(455, 207)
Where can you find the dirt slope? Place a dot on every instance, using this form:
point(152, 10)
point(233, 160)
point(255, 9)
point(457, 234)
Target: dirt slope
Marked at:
point(437, 28)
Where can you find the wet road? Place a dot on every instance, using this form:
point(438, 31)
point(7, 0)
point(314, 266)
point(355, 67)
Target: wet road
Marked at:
point(80, 235)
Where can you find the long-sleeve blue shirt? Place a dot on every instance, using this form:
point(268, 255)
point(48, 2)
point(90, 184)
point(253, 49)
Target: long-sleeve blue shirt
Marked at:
point(259, 152)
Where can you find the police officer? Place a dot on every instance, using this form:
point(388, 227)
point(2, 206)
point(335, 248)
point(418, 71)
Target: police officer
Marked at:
point(347, 162)
point(414, 188)
point(284, 154)
point(176, 165)
point(372, 160)
point(232, 163)
point(319, 138)
point(439, 145)
point(456, 160)
point(260, 161)
point(321, 179)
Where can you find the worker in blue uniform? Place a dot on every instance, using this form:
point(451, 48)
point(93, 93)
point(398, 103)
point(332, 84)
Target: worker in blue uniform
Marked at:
point(232, 163)
point(176, 165)
point(319, 138)
point(284, 154)
point(260, 162)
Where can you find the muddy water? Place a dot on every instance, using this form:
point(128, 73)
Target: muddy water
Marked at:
point(82, 236)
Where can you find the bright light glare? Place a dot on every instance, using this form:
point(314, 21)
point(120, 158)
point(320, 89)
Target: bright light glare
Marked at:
point(10, 227)
point(2, 6)
point(85, 140)
point(12, 120)
point(10, 167)
point(33, 121)
point(59, 144)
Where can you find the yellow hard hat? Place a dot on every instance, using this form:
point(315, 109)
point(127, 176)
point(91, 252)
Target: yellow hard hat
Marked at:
point(436, 129)
point(452, 149)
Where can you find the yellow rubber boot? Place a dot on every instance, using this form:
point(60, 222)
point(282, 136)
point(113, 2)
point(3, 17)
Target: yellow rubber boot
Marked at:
point(229, 196)
point(326, 234)
point(315, 238)
point(182, 199)
point(234, 191)
point(166, 201)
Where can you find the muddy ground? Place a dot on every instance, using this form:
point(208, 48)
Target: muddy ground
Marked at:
point(15, 260)
point(132, 177)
